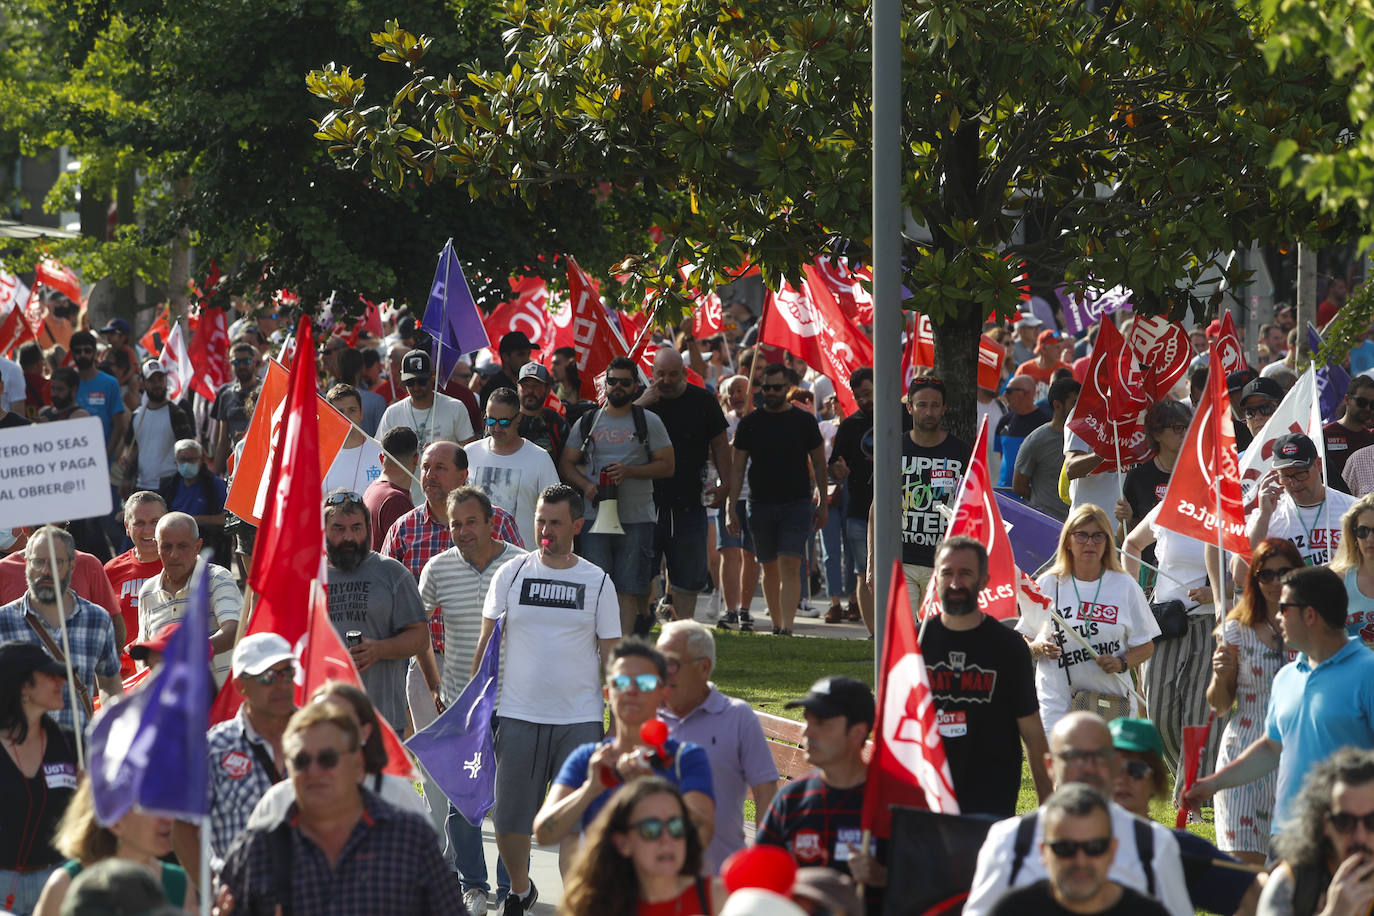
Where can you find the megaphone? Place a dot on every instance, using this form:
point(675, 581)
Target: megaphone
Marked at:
point(607, 508)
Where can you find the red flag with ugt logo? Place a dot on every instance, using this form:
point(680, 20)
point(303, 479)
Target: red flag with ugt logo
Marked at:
point(526, 313)
point(909, 766)
point(920, 351)
point(1109, 412)
point(1164, 351)
point(587, 328)
point(811, 324)
point(210, 353)
point(1228, 346)
point(1207, 468)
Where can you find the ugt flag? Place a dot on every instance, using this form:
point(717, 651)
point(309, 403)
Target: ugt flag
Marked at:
point(451, 315)
point(456, 748)
point(149, 749)
point(1332, 379)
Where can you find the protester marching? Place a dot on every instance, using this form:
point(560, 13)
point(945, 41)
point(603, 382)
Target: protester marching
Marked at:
point(332, 616)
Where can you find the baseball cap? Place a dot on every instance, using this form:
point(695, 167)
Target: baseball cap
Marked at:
point(1262, 387)
point(838, 696)
point(516, 340)
point(152, 367)
point(138, 651)
point(117, 324)
point(536, 372)
point(416, 365)
point(1240, 378)
point(1139, 735)
point(1046, 337)
point(255, 654)
point(827, 888)
point(756, 901)
point(20, 659)
point(1027, 320)
point(1294, 451)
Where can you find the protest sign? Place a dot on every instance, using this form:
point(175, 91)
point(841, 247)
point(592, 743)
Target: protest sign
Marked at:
point(53, 472)
point(1085, 309)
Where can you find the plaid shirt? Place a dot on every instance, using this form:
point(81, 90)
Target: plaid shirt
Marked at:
point(90, 633)
point(418, 537)
point(237, 781)
point(391, 863)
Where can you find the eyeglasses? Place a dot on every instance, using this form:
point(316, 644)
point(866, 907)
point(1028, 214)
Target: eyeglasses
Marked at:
point(268, 678)
point(1090, 537)
point(1261, 410)
point(1363, 531)
point(328, 759)
point(502, 422)
point(242, 361)
point(619, 381)
point(1138, 770)
point(1100, 756)
point(651, 828)
point(1267, 576)
point(1362, 403)
point(1295, 476)
point(642, 682)
point(1180, 428)
point(1344, 821)
point(338, 499)
point(1284, 606)
point(1067, 849)
point(772, 387)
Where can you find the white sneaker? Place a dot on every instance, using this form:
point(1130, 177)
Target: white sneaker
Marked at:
point(806, 610)
point(475, 900)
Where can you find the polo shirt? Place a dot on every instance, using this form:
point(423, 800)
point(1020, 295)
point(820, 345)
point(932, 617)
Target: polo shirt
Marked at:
point(727, 729)
point(157, 608)
point(1315, 711)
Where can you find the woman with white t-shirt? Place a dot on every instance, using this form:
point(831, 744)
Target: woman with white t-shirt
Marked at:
point(1106, 609)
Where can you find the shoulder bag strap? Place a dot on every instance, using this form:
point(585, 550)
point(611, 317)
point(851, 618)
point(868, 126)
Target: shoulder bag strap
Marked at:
point(42, 633)
point(1025, 832)
point(1145, 848)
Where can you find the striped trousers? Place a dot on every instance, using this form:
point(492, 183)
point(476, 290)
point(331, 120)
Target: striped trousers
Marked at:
point(1175, 682)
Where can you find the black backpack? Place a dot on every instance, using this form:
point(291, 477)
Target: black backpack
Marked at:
point(1144, 844)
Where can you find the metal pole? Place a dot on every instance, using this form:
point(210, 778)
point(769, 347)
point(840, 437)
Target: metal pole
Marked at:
point(60, 593)
point(887, 314)
point(1307, 299)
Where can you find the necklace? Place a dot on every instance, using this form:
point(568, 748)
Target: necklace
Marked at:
point(1309, 530)
point(1101, 577)
point(419, 427)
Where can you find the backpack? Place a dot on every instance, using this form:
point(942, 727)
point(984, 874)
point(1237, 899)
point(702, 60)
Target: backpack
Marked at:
point(641, 428)
point(1144, 845)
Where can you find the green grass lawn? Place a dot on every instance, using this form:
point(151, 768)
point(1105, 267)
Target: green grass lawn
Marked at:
point(767, 671)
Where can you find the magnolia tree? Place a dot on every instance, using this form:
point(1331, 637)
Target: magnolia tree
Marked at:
point(1125, 143)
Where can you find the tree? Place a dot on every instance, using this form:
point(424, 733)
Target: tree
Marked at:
point(1127, 145)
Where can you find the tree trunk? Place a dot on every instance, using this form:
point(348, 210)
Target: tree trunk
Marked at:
point(956, 364)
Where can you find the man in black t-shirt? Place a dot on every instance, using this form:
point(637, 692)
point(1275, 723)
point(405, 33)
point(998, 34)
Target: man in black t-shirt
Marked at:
point(851, 461)
point(695, 426)
point(984, 687)
point(787, 498)
point(228, 406)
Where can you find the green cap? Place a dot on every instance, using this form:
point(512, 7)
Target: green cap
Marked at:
point(1136, 735)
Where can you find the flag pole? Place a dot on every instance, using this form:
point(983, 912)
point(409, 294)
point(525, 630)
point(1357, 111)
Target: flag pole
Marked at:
point(1078, 637)
point(59, 593)
point(204, 876)
point(758, 342)
point(443, 314)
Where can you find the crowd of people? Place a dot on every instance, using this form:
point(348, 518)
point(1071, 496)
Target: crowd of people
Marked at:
point(503, 494)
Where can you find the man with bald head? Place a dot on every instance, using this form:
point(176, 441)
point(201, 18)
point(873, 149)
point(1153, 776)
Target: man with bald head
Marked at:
point(163, 597)
point(696, 427)
point(1147, 857)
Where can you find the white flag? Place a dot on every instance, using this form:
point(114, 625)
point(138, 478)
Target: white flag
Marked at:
point(177, 361)
point(1298, 412)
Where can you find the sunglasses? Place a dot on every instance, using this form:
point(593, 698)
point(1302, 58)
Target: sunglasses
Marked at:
point(503, 422)
point(1267, 576)
point(241, 361)
point(415, 383)
point(1138, 770)
point(642, 682)
point(1067, 849)
point(651, 828)
point(268, 678)
point(339, 499)
point(1263, 410)
point(1344, 821)
point(1090, 537)
point(772, 387)
point(1286, 606)
point(328, 759)
point(619, 381)
point(1362, 403)
point(1363, 531)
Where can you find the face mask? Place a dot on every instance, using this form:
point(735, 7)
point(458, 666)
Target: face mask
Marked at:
point(187, 469)
point(7, 538)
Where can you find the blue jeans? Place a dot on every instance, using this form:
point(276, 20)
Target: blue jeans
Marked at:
point(26, 887)
point(856, 546)
point(469, 857)
point(832, 551)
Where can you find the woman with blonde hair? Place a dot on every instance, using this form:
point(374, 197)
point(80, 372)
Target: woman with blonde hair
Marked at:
point(1106, 609)
point(1355, 563)
point(641, 856)
point(136, 837)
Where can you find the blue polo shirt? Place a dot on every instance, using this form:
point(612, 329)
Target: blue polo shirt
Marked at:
point(100, 397)
point(1316, 711)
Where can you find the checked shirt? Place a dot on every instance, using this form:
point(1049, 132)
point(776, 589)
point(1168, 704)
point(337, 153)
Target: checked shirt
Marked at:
point(91, 636)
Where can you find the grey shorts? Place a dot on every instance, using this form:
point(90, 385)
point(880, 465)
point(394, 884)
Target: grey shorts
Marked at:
point(528, 757)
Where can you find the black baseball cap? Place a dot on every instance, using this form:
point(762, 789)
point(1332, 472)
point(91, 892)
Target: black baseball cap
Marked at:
point(1294, 450)
point(416, 365)
point(1240, 378)
point(516, 340)
point(20, 659)
point(838, 696)
point(1263, 387)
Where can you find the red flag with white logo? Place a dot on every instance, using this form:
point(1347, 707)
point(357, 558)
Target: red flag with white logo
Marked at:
point(909, 766)
point(371, 322)
point(1206, 467)
point(844, 285)
point(811, 324)
point(1228, 346)
point(1110, 407)
point(1163, 350)
point(588, 330)
point(527, 313)
point(156, 335)
point(209, 354)
point(54, 276)
point(13, 295)
point(920, 352)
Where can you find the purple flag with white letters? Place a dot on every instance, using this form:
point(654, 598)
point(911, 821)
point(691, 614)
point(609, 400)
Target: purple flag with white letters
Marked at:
point(1083, 310)
point(1332, 380)
point(456, 749)
point(451, 316)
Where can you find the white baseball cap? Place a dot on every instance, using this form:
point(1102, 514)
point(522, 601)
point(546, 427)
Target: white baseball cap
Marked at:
point(255, 654)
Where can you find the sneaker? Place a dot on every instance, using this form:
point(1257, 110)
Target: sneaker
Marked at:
point(665, 609)
point(806, 609)
point(835, 614)
point(728, 620)
point(475, 899)
point(777, 631)
point(746, 622)
point(851, 612)
point(516, 906)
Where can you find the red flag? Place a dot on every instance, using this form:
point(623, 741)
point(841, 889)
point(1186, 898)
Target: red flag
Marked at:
point(1108, 415)
point(210, 353)
point(976, 515)
point(1206, 467)
point(153, 339)
point(1194, 746)
point(526, 313)
point(13, 295)
point(54, 276)
point(811, 324)
point(920, 351)
point(909, 765)
point(371, 322)
point(587, 328)
point(844, 285)
point(1229, 347)
point(648, 350)
point(290, 542)
point(1164, 351)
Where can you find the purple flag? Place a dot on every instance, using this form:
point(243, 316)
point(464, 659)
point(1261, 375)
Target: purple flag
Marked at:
point(456, 749)
point(149, 749)
point(1033, 534)
point(1083, 311)
point(1332, 380)
point(451, 315)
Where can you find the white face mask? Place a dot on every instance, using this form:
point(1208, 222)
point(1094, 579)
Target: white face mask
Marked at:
point(7, 539)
